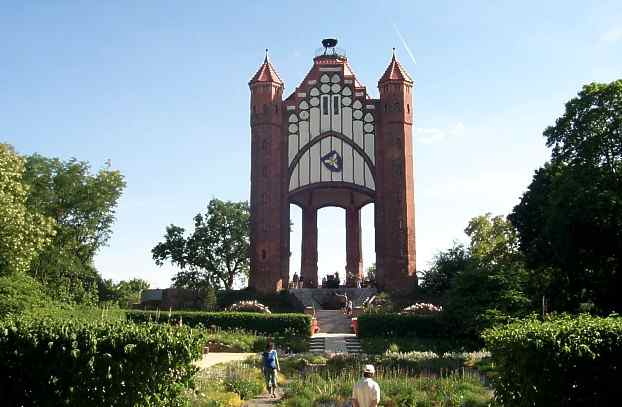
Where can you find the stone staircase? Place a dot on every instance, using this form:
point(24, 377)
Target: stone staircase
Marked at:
point(333, 321)
point(317, 344)
point(335, 343)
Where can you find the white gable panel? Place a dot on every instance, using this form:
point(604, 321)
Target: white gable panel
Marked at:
point(326, 148)
point(369, 147)
point(337, 146)
point(359, 169)
point(293, 180)
point(304, 169)
point(346, 128)
point(292, 147)
point(348, 163)
point(369, 179)
point(304, 135)
point(315, 163)
point(315, 122)
point(358, 132)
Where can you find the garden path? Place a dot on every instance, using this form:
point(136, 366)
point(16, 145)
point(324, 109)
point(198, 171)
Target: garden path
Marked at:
point(263, 400)
point(211, 359)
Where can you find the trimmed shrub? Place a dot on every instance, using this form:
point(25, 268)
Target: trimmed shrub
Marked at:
point(50, 362)
point(561, 361)
point(268, 324)
point(399, 325)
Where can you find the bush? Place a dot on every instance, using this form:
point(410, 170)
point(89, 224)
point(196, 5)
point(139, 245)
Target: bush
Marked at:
point(268, 324)
point(561, 361)
point(397, 325)
point(20, 293)
point(249, 306)
point(278, 302)
point(50, 362)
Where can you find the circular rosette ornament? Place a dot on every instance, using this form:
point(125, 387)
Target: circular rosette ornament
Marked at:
point(332, 161)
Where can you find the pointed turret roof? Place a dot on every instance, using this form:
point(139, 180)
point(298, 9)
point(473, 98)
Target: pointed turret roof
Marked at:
point(395, 72)
point(266, 73)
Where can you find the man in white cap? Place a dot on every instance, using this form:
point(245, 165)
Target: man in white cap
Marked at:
point(366, 393)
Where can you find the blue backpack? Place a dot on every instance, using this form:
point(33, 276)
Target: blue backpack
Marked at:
point(269, 359)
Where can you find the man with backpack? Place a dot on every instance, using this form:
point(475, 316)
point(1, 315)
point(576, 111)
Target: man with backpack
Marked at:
point(270, 368)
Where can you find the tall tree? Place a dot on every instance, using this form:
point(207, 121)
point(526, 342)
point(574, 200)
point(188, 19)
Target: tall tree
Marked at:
point(83, 208)
point(216, 253)
point(570, 218)
point(492, 285)
point(24, 232)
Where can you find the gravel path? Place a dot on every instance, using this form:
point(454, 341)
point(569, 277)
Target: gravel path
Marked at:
point(214, 358)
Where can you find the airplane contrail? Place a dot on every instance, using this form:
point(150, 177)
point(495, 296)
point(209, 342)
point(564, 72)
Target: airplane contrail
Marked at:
point(410, 53)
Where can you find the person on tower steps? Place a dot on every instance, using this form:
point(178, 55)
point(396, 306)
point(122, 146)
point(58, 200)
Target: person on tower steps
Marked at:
point(295, 280)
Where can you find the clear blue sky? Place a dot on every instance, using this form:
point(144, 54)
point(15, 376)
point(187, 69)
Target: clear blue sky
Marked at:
point(160, 89)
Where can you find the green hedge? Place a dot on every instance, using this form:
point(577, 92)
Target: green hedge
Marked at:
point(396, 325)
point(50, 362)
point(562, 361)
point(267, 324)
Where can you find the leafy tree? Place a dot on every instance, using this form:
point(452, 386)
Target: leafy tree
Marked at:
point(570, 217)
point(445, 267)
point(491, 287)
point(24, 232)
point(83, 208)
point(216, 253)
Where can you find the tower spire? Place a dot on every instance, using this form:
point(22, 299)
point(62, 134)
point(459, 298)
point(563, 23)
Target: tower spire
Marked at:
point(395, 72)
point(266, 73)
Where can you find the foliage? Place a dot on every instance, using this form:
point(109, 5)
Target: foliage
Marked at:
point(227, 384)
point(50, 362)
point(122, 293)
point(249, 306)
point(398, 325)
point(24, 232)
point(278, 302)
point(379, 345)
point(491, 288)
point(445, 267)
point(570, 217)
point(560, 361)
point(82, 207)
point(216, 253)
point(421, 308)
point(238, 340)
point(20, 293)
point(269, 324)
point(400, 386)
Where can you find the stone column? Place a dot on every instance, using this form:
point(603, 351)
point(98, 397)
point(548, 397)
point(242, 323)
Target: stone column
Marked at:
point(308, 266)
point(354, 256)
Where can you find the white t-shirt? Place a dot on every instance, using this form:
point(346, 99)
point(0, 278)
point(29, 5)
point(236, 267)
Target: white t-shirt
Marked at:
point(365, 391)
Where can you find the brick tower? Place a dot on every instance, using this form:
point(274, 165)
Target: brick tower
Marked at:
point(269, 229)
point(395, 201)
point(330, 144)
